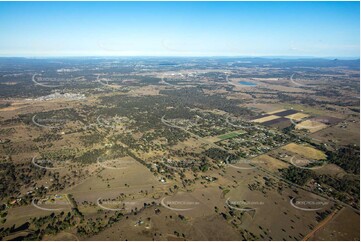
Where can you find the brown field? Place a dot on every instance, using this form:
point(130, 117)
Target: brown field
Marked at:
point(311, 126)
point(270, 163)
point(109, 183)
point(297, 116)
point(62, 236)
point(305, 151)
point(265, 119)
point(282, 221)
point(331, 169)
point(313, 110)
point(277, 111)
point(19, 215)
point(287, 89)
point(338, 135)
point(162, 227)
point(344, 226)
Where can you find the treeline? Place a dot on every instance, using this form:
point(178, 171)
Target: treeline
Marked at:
point(296, 175)
point(14, 176)
point(346, 188)
point(348, 158)
point(218, 154)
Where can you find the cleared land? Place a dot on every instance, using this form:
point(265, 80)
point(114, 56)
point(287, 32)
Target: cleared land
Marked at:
point(270, 163)
point(344, 226)
point(132, 175)
point(306, 151)
point(230, 135)
point(311, 125)
point(265, 119)
point(297, 116)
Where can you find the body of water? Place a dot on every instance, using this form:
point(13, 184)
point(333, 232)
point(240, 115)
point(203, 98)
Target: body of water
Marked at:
point(250, 84)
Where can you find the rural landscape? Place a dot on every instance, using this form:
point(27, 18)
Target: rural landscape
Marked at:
point(179, 148)
point(180, 120)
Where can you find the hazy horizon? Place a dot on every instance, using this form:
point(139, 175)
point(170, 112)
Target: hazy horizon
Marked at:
point(179, 56)
point(189, 29)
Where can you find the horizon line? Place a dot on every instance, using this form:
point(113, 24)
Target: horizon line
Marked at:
point(182, 56)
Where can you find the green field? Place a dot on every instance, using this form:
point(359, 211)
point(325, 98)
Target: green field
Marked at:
point(230, 135)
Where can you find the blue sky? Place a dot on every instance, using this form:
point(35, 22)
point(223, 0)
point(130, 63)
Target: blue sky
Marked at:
point(322, 29)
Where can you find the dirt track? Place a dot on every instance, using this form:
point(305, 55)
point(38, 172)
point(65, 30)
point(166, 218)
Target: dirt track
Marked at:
point(321, 225)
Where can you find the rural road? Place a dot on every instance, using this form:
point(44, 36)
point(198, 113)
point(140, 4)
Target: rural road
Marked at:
point(321, 225)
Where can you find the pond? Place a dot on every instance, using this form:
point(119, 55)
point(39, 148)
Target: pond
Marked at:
point(250, 84)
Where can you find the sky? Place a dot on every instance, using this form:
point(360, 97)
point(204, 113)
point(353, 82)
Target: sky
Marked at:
point(312, 29)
